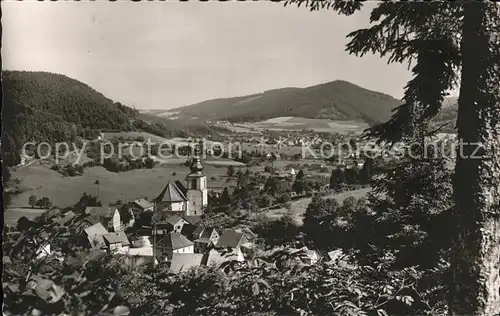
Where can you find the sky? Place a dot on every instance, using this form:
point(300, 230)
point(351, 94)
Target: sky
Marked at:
point(161, 55)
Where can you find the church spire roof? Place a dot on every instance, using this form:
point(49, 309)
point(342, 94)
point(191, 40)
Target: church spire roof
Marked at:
point(196, 165)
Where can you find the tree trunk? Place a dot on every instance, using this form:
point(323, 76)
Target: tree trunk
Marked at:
point(476, 255)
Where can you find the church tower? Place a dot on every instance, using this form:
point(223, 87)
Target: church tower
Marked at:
point(197, 188)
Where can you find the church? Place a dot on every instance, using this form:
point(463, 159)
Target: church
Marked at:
point(190, 199)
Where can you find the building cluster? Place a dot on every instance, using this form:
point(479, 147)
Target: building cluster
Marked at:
point(173, 233)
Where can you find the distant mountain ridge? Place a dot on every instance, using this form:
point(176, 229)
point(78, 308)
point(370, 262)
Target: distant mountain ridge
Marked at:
point(336, 100)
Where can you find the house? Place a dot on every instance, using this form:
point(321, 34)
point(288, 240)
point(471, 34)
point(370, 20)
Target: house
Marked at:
point(174, 242)
point(109, 217)
point(140, 246)
point(182, 262)
point(141, 205)
point(93, 236)
point(249, 234)
point(116, 242)
point(208, 237)
point(175, 223)
point(234, 241)
point(171, 199)
point(140, 241)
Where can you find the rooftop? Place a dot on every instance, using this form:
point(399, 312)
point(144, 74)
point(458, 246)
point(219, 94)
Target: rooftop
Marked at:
point(231, 239)
point(174, 219)
point(95, 234)
point(196, 165)
point(143, 203)
point(171, 193)
point(175, 241)
point(98, 213)
point(115, 238)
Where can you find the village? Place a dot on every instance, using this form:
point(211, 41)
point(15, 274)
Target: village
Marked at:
point(168, 229)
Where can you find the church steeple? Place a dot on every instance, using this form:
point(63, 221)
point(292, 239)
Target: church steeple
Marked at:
point(197, 186)
point(196, 165)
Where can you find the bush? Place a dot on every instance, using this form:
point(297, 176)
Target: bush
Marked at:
point(283, 198)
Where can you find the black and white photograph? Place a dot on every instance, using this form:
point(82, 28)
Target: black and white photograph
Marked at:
point(260, 158)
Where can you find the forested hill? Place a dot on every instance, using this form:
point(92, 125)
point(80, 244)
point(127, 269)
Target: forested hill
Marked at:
point(337, 100)
point(42, 106)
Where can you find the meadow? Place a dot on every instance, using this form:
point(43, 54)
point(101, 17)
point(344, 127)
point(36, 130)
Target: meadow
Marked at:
point(285, 123)
point(38, 179)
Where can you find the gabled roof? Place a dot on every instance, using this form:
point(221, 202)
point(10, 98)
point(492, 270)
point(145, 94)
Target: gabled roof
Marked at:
point(175, 241)
point(174, 219)
point(181, 186)
point(205, 236)
point(95, 234)
point(198, 231)
point(192, 219)
point(171, 193)
point(188, 229)
point(184, 261)
point(247, 232)
point(98, 213)
point(231, 239)
point(96, 229)
point(118, 237)
point(143, 203)
point(207, 232)
point(104, 211)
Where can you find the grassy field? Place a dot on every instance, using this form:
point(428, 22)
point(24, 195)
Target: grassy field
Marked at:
point(298, 123)
point(11, 215)
point(64, 191)
point(299, 206)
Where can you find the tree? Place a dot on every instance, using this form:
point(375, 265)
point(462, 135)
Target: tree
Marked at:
point(337, 178)
point(23, 224)
point(280, 232)
point(243, 178)
point(44, 203)
point(444, 38)
point(366, 173)
point(32, 201)
point(353, 144)
point(149, 163)
point(225, 198)
point(126, 214)
point(230, 171)
point(97, 182)
point(320, 223)
point(300, 185)
point(85, 201)
point(265, 200)
point(284, 197)
point(351, 175)
point(477, 178)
